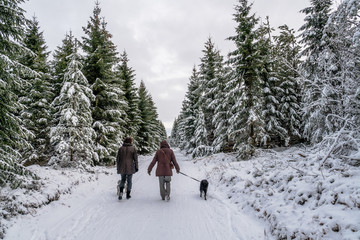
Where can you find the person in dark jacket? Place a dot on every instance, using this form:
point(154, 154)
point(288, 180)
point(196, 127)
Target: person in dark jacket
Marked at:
point(165, 158)
point(127, 165)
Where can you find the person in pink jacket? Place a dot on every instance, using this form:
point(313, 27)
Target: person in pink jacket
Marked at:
point(165, 159)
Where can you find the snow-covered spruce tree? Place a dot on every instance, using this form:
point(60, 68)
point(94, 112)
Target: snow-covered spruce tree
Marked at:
point(244, 89)
point(200, 137)
point(220, 119)
point(174, 139)
point(180, 130)
point(211, 98)
point(143, 137)
point(275, 133)
point(286, 68)
point(339, 60)
point(180, 135)
point(108, 117)
point(100, 51)
point(73, 137)
point(207, 84)
point(156, 127)
point(127, 76)
point(12, 136)
point(36, 115)
point(189, 113)
point(109, 107)
point(316, 105)
point(161, 131)
point(61, 61)
point(222, 142)
point(150, 133)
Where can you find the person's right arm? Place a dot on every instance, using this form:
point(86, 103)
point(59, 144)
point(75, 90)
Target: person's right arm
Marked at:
point(153, 163)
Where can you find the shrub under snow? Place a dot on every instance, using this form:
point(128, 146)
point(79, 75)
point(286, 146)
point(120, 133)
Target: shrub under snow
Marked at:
point(286, 188)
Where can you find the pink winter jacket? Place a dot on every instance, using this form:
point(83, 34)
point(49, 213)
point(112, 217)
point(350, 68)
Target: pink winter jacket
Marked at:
point(163, 166)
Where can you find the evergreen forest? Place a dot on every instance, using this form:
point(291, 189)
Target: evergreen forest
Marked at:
point(73, 110)
point(279, 87)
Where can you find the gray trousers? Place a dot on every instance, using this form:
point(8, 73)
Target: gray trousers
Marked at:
point(164, 182)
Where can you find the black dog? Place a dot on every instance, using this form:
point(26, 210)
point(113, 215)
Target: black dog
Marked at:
point(203, 187)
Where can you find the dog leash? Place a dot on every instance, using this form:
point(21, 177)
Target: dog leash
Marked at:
point(189, 176)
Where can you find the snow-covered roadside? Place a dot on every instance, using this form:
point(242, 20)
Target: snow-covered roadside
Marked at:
point(92, 211)
point(286, 189)
point(53, 184)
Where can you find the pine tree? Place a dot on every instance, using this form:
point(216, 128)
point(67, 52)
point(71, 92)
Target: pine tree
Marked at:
point(174, 136)
point(189, 113)
point(156, 127)
point(202, 146)
point(150, 132)
point(275, 131)
point(99, 49)
point(316, 104)
point(312, 30)
point(208, 82)
point(12, 136)
point(108, 117)
point(127, 76)
point(339, 83)
point(221, 143)
point(244, 88)
point(143, 135)
point(109, 107)
point(61, 61)
point(162, 131)
point(73, 137)
point(36, 115)
point(286, 68)
point(179, 131)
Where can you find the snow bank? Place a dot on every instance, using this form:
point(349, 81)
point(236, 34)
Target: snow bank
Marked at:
point(286, 188)
point(53, 183)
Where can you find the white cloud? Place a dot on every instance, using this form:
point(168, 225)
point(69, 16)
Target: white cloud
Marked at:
point(178, 88)
point(162, 60)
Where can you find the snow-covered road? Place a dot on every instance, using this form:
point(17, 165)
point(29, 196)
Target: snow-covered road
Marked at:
point(93, 212)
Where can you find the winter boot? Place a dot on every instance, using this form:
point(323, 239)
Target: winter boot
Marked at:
point(121, 193)
point(128, 195)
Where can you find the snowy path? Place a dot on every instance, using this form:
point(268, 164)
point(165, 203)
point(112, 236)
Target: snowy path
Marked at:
point(93, 212)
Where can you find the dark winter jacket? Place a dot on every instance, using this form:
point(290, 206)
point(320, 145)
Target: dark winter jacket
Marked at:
point(127, 159)
point(163, 157)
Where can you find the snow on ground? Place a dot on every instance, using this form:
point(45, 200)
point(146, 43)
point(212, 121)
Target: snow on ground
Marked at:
point(280, 194)
point(92, 211)
point(286, 188)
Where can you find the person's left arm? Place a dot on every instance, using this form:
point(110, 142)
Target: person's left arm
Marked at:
point(135, 157)
point(173, 159)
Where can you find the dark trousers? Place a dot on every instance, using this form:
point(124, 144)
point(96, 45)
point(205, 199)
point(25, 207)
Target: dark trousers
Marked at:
point(126, 178)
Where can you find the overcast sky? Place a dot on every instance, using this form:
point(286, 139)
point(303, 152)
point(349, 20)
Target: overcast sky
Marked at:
point(164, 39)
